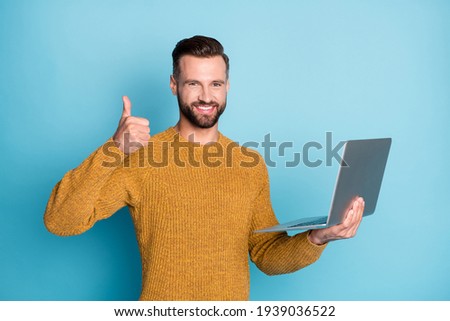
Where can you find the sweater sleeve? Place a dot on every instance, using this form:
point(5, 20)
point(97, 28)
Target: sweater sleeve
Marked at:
point(277, 252)
point(94, 190)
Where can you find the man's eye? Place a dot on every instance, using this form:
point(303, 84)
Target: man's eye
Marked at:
point(192, 84)
point(217, 84)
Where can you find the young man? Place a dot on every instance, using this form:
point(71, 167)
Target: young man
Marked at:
point(195, 197)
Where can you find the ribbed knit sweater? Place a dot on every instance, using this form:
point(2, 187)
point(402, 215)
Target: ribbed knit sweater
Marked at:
point(195, 209)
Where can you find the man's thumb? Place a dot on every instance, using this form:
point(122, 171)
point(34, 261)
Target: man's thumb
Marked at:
point(126, 106)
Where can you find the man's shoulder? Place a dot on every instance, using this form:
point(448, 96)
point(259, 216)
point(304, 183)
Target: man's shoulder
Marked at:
point(243, 155)
point(166, 135)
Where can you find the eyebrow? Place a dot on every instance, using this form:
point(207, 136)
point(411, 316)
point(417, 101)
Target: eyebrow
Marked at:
point(197, 81)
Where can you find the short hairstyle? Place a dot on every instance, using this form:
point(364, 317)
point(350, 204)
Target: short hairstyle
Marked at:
point(198, 46)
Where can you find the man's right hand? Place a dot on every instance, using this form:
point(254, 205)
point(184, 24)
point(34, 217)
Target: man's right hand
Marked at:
point(132, 132)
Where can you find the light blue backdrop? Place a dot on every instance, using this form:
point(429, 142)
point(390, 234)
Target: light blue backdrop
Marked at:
point(299, 69)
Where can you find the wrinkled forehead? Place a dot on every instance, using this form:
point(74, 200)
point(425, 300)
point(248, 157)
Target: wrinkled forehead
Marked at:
point(202, 68)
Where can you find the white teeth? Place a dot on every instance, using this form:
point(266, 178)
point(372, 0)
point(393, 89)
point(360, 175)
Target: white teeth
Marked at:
point(204, 108)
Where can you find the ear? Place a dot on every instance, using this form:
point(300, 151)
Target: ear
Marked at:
point(228, 85)
point(173, 85)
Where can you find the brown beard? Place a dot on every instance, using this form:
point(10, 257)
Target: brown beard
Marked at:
point(202, 121)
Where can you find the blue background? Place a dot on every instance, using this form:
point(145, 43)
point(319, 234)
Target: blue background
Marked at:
point(299, 69)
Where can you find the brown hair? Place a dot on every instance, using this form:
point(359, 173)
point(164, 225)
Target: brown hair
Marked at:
point(198, 46)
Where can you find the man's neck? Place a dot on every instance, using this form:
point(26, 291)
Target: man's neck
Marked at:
point(199, 135)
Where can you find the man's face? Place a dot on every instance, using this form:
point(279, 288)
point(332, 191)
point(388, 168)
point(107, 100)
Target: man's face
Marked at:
point(201, 89)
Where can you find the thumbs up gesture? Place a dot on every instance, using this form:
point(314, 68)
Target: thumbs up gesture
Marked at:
point(132, 132)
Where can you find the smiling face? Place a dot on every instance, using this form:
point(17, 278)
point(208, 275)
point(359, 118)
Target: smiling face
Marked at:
point(201, 89)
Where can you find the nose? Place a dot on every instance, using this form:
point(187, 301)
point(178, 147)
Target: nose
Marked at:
point(205, 95)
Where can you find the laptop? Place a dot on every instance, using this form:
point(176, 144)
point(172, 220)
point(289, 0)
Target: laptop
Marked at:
point(360, 174)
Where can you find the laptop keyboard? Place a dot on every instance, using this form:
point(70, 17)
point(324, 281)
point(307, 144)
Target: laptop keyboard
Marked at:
point(320, 220)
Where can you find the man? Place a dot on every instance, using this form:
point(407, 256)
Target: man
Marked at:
point(195, 197)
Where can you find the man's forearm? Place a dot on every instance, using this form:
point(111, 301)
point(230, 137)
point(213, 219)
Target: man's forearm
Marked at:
point(72, 201)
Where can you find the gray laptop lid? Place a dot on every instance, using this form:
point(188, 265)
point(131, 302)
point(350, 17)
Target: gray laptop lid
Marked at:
point(360, 174)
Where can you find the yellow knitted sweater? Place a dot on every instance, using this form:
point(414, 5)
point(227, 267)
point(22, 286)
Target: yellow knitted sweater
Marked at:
point(194, 210)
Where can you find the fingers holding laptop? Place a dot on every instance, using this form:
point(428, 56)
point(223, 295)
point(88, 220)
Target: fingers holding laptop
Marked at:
point(345, 230)
point(354, 217)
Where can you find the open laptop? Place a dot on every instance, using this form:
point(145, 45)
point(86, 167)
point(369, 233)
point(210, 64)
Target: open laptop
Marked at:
point(360, 174)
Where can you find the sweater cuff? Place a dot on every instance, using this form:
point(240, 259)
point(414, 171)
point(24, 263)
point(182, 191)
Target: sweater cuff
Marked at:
point(112, 155)
point(314, 244)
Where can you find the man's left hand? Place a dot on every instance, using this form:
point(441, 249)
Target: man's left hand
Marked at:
point(347, 229)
